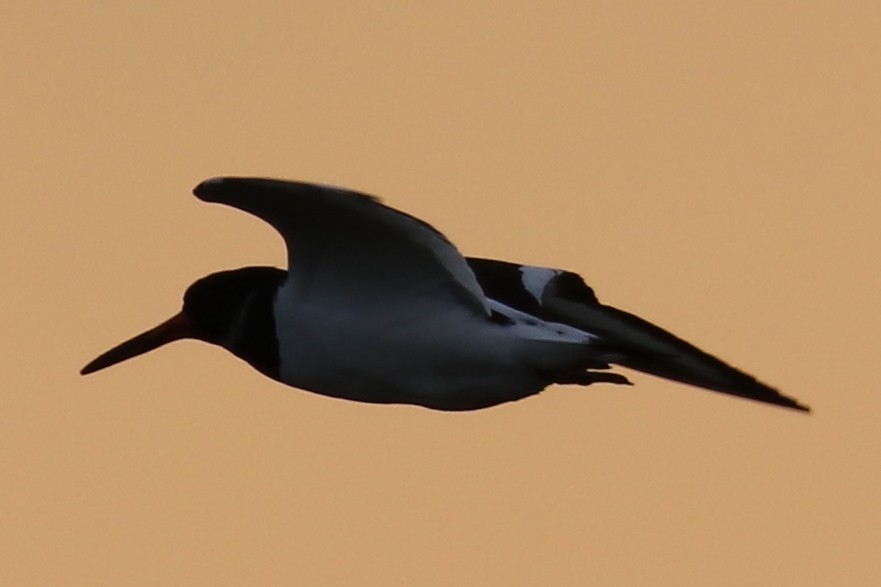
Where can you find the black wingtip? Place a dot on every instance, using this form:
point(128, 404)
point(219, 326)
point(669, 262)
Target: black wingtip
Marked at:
point(746, 386)
point(752, 389)
point(208, 190)
point(797, 406)
point(221, 189)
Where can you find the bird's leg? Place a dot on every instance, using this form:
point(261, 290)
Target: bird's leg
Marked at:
point(588, 377)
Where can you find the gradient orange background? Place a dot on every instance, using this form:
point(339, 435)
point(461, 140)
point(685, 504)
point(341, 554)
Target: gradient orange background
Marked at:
point(716, 170)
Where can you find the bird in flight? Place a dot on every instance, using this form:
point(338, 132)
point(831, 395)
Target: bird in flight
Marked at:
point(377, 306)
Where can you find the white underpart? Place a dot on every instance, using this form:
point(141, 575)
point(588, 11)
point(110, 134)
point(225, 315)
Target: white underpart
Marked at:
point(536, 279)
point(423, 352)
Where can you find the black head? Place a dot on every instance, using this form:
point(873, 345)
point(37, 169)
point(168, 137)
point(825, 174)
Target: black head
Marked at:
point(217, 305)
point(232, 309)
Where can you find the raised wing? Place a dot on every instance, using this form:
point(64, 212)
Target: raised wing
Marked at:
point(345, 246)
point(562, 296)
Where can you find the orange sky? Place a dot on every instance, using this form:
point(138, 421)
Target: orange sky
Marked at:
point(716, 171)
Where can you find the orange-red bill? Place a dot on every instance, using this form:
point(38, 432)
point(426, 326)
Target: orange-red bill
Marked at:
point(174, 328)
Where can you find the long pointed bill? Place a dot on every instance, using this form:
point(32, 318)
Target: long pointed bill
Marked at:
point(172, 329)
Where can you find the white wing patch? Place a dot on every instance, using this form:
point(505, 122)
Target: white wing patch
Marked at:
point(532, 328)
point(536, 279)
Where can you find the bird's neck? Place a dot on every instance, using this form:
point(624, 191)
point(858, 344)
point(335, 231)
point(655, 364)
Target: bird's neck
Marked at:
point(252, 333)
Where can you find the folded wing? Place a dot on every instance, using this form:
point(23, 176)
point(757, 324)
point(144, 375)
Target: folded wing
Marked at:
point(562, 296)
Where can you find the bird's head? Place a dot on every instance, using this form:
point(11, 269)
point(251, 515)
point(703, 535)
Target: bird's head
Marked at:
point(232, 309)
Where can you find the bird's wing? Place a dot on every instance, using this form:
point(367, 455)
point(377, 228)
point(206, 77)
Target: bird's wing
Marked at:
point(562, 296)
point(346, 247)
